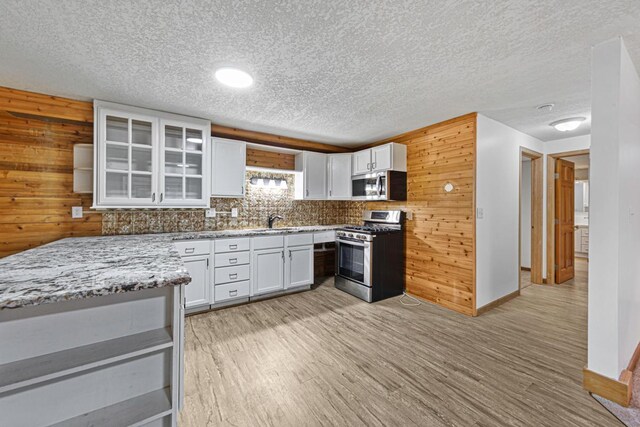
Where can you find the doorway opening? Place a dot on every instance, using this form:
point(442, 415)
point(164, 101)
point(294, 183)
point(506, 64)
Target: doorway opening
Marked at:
point(531, 216)
point(567, 215)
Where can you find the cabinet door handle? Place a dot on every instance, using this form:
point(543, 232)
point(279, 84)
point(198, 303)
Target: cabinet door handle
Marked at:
point(289, 253)
point(307, 191)
point(233, 246)
point(233, 293)
point(233, 275)
point(373, 165)
point(282, 253)
point(153, 197)
point(368, 166)
point(242, 190)
point(330, 193)
point(161, 196)
point(189, 250)
point(233, 260)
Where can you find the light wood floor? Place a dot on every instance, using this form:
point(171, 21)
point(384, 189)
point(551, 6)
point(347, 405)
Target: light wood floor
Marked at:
point(325, 358)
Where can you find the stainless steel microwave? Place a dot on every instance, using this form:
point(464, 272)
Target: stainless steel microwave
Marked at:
point(388, 185)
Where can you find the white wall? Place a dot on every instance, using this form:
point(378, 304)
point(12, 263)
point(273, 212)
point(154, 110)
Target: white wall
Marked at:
point(525, 215)
point(568, 144)
point(497, 195)
point(614, 218)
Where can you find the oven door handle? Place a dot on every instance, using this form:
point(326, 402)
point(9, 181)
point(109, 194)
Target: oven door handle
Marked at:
point(352, 243)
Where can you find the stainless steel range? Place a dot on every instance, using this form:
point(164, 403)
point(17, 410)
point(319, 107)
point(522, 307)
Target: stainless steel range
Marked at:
point(370, 258)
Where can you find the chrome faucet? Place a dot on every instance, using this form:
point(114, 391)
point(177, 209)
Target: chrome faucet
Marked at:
point(273, 218)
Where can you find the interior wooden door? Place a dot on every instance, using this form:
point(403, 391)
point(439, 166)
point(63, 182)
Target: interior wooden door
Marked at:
point(564, 227)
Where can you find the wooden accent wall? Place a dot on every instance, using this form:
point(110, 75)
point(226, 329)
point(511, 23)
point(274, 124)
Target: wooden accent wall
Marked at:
point(440, 239)
point(37, 134)
point(270, 159)
point(274, 140)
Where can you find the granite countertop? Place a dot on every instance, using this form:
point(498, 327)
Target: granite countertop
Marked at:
point(83, 267)
point(204, 235)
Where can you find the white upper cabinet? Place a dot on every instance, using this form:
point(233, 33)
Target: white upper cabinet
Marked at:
point(127, 170)
point(385, 157)
point(311, 183)
point(183, 164)
point(149, 159)
point(339, 176)
point(381, 158)
point(229, 160)
point(361, 162)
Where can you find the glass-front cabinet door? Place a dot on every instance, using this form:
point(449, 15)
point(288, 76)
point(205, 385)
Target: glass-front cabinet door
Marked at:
point(183, 164)
point(149, 159)
point(127, 159)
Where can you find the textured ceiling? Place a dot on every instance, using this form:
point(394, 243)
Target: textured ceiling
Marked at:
point(333, 71)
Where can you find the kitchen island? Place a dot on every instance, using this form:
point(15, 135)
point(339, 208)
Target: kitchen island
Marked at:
point(92, 329)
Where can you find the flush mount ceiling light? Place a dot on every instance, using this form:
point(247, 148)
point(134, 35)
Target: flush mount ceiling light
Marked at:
point(566, 125)
point(233, 77)
point(545, 108)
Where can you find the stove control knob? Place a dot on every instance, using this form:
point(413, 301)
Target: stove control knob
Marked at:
point(361, 237)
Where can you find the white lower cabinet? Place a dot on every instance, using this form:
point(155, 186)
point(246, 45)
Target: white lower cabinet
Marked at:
point(268, 270)
point(299, 266)
point(232, 291)
point(197, 293)
point(228, 270)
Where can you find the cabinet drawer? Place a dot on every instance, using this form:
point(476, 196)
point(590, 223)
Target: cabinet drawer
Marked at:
point(231, 291)
point(232, 258)
point(233, 245)
point(324, 236)
point(268, 242)
point(193, 247)
point(299, 239)
point(231, 274)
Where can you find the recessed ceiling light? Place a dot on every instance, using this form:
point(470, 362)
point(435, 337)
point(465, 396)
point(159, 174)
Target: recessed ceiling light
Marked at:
point(233, 77)
point(566, 125)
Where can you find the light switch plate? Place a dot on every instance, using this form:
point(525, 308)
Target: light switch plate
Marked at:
point(479, 213)
point(234, 212)
point(76, 212)
point(210, 213)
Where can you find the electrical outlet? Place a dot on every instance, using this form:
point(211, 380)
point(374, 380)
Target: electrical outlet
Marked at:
point(234, 212)
point(210, 213)
point(76, 212)
point(479, 213)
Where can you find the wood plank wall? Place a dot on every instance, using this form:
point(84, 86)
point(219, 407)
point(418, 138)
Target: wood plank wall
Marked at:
point(37, 134)
point(440, 239)
point(270, 159)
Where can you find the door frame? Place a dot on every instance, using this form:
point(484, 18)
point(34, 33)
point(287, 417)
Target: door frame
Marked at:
point(537, 187)
point(551, 209)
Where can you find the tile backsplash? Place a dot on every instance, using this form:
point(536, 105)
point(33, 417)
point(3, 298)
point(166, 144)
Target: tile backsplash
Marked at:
point(253, 211)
